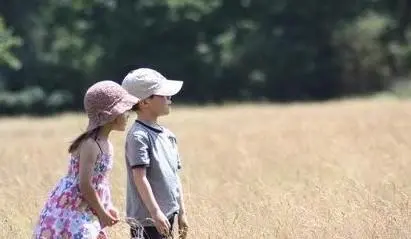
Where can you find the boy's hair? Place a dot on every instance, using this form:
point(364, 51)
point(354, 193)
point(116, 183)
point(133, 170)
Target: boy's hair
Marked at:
point(84, 136)
point(136, 107)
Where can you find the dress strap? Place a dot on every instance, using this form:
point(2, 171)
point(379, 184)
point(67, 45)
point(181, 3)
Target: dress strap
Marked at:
point(99, 146)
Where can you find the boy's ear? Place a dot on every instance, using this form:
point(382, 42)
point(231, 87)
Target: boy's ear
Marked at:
point(143, 103)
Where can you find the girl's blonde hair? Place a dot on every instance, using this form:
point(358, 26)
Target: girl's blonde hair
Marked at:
point(84, 136)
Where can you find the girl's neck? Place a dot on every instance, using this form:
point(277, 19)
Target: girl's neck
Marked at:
point(104, 133)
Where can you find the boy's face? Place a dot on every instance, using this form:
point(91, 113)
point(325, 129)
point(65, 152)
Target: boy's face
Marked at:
point(159, 105)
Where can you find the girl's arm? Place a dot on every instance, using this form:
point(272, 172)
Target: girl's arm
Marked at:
point(88, 157)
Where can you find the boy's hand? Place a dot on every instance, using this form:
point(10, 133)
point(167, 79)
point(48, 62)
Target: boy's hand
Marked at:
point(182, 226)
point(161, 223)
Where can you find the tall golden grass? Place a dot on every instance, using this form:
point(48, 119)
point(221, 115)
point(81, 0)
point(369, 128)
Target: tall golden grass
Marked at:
point(331, 170)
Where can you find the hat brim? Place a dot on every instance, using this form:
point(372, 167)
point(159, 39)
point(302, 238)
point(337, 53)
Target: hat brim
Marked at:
point(125, 104)
point(169, 88)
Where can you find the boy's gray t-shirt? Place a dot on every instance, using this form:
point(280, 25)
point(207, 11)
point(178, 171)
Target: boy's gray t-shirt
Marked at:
point(156, 149)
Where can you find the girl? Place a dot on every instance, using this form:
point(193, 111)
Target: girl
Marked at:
point(80, 205)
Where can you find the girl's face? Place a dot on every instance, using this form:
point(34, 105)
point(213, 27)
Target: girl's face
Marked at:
point(120, 123)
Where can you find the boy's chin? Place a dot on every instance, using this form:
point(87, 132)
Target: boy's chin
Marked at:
point(165, 112)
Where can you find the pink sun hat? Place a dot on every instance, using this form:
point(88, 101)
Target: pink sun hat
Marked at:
point(106, 100)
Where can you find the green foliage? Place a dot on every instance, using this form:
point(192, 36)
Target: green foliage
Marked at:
point(33, 100)
point(361, 54)
point(7, 42)
point(281, 50)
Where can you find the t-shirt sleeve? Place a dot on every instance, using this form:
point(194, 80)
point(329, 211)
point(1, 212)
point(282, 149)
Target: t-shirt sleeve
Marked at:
point(137, 150)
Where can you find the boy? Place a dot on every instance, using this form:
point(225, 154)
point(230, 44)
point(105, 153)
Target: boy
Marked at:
point(153, 186)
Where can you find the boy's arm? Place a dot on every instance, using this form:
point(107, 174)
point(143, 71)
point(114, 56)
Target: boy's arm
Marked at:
point(181, 199)
point(182, 218)
point(137, 148)
point(143, 187)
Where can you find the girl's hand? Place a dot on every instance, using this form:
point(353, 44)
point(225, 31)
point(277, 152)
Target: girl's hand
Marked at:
point(107, 220)
point(114, 212)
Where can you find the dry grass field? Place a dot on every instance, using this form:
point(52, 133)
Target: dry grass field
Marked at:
point(331, 170)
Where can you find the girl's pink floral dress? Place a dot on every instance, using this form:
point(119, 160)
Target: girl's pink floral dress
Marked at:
point(66, 214)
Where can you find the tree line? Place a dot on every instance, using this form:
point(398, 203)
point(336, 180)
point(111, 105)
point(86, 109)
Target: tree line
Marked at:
point(247, 50)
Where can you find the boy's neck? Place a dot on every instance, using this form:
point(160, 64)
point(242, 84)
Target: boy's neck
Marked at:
point(146, 117)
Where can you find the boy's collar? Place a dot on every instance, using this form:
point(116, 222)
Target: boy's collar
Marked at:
point(152, 126)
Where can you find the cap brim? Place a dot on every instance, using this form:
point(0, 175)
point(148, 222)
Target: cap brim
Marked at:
point(169, 88)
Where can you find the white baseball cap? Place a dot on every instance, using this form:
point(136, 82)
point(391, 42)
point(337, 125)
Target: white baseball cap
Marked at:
point(144, 82)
